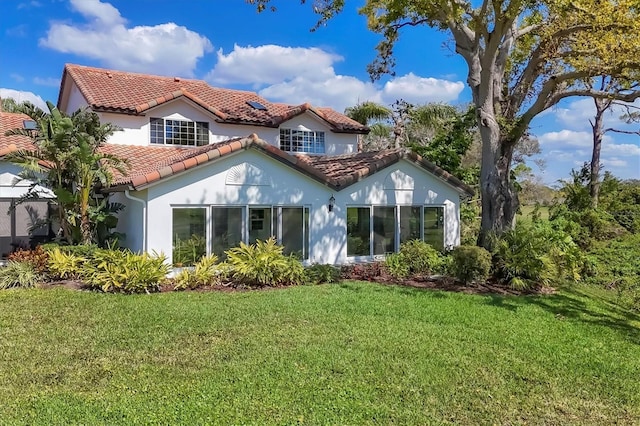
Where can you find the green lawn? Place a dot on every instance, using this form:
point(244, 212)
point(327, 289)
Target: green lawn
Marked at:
point(353, 353)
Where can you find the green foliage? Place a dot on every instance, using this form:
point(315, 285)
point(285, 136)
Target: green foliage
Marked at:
point(264, 264)
point(397, 265)
point(19, 274)
point(124, 271)
point(615, 265)
point(188, 252)
point(66, 159)
point(319, 274)
point(452, 139)
point(622, 200)
point(205, 272)
point(534, 254)
point(38, 258)
point(470, 263)
point(421, 257)
point(64, 264)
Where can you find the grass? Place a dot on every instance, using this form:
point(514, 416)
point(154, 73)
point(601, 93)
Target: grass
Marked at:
point(525, 212)
point(354, 353)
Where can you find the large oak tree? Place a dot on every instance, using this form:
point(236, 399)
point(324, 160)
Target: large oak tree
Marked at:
point(522, 57)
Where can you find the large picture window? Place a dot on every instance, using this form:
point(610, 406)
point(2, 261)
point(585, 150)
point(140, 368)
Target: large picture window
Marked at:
point(227, 229)
point(307, 141)
point(434, 226)
point(179, 132)
point(189, 236)
point(384, 230)
point(388, 230)
point(358, 231)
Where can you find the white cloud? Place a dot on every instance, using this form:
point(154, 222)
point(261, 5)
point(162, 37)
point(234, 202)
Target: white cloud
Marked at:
point(20, 96)
point(48, 81)
point(566, 138)
point(337, 92)
point(271, 64)
point(420, 90)
point(578, 114)
point(614, 162)
point(627, 149)
point(298, 74)
point(160, 49)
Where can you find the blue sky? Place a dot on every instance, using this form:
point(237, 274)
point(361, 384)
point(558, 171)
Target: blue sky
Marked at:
point(228, 44)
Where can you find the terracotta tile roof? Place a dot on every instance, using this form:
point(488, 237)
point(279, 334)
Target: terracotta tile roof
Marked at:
point(149, 164)
point(345, 170)
point(10, 121)
point(132, 93)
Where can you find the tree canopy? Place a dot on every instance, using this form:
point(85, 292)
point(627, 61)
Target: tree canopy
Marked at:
point(522, 58)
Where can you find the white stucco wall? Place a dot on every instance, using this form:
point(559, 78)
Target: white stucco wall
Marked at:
point(135, 129)
point(269, 182)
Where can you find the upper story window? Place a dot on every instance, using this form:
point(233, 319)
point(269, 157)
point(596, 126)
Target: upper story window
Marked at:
point(179, 132)
point(308, 141)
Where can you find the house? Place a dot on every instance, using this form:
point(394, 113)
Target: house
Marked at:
point(211, 167)
point(21, 224)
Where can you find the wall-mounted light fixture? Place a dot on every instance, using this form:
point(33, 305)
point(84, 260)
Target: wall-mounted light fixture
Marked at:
point(332, 202)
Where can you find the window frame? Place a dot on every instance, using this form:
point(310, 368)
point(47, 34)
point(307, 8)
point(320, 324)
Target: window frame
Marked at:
point(307, 141)
point(398, 227)
point(180, 130)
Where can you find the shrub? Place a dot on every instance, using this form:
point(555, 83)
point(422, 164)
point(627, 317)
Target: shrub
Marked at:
point(19, 274)
point(397, 265)
point(319, 274)
point(616, 265)
point(263, 264)
point(38, 258)
point(65, 265)
point(470, 263)
point(534, 254)
point(205, 272)
point(124, 271)
point(421, 257)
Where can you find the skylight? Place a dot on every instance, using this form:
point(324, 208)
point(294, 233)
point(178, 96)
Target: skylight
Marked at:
point(257, 105)
point(30, 125)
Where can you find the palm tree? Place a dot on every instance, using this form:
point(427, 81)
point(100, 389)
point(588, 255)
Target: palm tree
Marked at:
point(67, 160)
point(365, 113)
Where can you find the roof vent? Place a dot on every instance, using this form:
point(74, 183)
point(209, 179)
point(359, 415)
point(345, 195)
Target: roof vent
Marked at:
point(109, 75)
point(257, 105)
point(176, 79)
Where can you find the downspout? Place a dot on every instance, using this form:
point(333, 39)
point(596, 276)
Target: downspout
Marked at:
point(144, 217)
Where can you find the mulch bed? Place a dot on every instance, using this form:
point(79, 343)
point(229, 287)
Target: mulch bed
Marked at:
point(427, 283)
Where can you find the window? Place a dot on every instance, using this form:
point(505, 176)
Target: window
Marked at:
point(227, 229)
point(179, 132)
point(358, 231)
point(189, 236)
point(292, 230)
point(410, 223)
point(387, 229)
point(311, 142)
point(434, 226)
point(384, 230)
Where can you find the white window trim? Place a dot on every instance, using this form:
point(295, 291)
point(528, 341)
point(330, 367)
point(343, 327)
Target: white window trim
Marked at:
point(315, 132)
point(371, 256)
point(164, 127)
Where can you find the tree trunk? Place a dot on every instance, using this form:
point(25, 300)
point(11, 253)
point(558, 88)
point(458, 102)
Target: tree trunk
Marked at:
point(498, 195)
point(597, 128)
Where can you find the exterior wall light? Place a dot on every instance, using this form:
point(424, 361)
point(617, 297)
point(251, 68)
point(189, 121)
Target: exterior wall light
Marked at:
point(332, 202)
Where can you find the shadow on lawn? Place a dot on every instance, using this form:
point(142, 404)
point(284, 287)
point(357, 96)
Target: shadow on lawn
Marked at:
point(572, 304)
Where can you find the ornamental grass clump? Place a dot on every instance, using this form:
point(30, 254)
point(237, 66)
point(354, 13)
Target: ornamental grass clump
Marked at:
point(19, 275)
